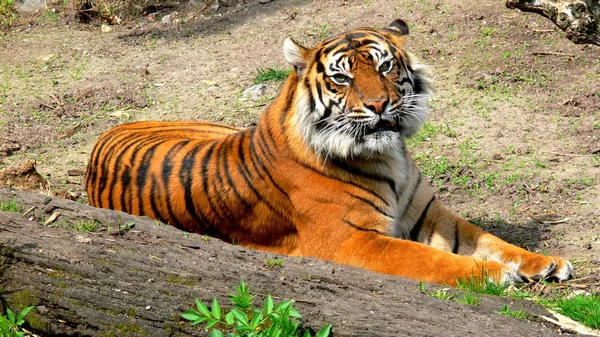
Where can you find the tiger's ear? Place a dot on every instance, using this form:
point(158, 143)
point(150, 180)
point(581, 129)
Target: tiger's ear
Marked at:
point(397, 32)
point(295, 54)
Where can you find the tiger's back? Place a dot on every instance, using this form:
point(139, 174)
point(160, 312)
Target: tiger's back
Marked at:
point(123, 174)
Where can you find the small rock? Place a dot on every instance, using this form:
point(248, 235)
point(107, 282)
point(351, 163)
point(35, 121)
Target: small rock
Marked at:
point(76, 172)
point(105, 28)
point(255, 91)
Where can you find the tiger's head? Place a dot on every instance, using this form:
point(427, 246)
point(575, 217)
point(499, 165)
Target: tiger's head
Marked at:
point(359, 93)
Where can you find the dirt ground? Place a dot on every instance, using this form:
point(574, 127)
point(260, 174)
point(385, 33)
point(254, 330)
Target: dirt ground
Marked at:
point(513, 143)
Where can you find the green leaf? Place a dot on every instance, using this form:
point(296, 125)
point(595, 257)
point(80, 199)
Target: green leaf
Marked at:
point(229, 318)
point(283, 306)
point(216, 311)
point(11, 315)
point(202, 308)
point(268, 308)
point(294, 313)
point(210, 322)
point(216, 333)
point(244, 328)
point(256, 320)
point(307, 334)
point(200, 320)
point(240, 316)
point(25, 311)
point(324, 332)
point(191, 315)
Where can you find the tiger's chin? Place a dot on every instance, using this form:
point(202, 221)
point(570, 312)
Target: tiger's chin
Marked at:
point(345, 147)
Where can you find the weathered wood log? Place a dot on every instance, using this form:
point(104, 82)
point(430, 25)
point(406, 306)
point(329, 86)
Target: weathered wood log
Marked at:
point(121, 280)
point(579, 19)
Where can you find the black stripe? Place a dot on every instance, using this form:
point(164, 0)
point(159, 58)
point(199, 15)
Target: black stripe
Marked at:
point(155, 193)
point(259, 167)
point(204, 174)
point(414, 232)
point(370, 203)
point(360, 228)
point(186, 178)
point(125, 181)
point(167, 170)
point(411, 197)
point(456, 239)
point(115, 150)
point(345, 182)
point(141, 172)
point(219, 184)
point(356, 171)
point(232, 184)
point(242, 170)
point(264, 147)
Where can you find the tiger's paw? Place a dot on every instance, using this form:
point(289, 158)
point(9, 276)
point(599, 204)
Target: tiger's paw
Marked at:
point(539, 267)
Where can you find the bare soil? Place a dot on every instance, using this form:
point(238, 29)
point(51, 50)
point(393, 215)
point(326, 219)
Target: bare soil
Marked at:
point(514, 135)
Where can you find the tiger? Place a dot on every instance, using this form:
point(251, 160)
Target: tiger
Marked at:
point(324, 173)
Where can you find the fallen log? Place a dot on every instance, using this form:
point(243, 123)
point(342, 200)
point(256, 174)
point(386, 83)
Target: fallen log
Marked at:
point(132, 276)
point(579, 19)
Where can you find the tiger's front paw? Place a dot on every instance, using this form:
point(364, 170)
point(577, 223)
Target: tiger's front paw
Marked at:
point(539, 267)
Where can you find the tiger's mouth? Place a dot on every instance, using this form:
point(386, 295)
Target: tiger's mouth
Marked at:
point(383, 125)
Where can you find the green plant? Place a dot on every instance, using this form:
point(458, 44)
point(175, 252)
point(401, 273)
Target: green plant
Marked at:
point(8, 13)
point(324, 30)
point(245, 321)
point(271, 74)
point(482, 285)
point(85, 226)
point(9, 324)
point(469, 298)
point(442, 294)
point(271, 263)
point(522, 314)
point(10, 205)
point(584, 309)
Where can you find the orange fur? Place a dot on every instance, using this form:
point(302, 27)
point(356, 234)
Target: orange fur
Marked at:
point(325, 173)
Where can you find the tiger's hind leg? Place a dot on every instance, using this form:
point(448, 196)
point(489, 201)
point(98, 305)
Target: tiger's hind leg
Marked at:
point(444, 230)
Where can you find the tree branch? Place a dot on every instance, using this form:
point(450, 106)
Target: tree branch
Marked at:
point(579, 19)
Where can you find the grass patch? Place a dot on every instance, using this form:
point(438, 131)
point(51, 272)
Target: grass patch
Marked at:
point(482, 285)
point(11, 206)
point(272, 263)
point(8, 13)
point(85, 226)
point(521, 314)
point(244, 320)
point(469, 298)
point(271, 74)
point(584, 309)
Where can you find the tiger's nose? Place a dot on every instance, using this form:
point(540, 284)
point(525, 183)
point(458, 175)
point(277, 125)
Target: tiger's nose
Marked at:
point(378, 106)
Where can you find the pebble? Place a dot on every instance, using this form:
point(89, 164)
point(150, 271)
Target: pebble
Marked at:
point(255, 91)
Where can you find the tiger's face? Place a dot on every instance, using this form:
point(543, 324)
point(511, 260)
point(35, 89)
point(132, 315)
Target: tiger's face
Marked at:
point(359, 93)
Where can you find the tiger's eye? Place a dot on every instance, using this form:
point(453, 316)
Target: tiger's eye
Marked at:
point(340, 79)
point(385, 66)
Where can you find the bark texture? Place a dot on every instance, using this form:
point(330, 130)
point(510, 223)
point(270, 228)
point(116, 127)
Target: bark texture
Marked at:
point(133, 277)
point(579, 19)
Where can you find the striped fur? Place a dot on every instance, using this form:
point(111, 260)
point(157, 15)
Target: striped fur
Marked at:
point(325, 173)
